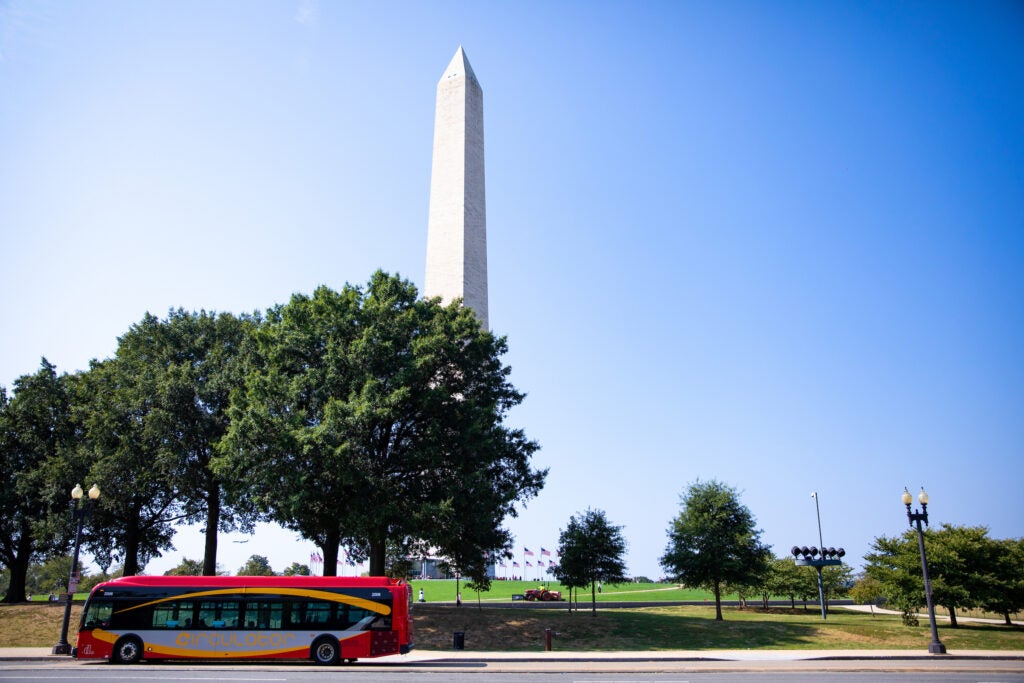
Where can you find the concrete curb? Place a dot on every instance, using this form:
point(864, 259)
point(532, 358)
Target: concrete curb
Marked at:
point(441, 657)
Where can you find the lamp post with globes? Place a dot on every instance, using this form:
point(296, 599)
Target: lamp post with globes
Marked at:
point(915, 518)
point(80, 510)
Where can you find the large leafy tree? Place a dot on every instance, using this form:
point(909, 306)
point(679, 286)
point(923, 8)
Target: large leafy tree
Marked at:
point(591, 550)
point(36, 430)
point(160, 418)
point(1005, 591)
point(895, 564)
point(376, 417)
point(134, 469)
point(714, 542)
point(968, 569)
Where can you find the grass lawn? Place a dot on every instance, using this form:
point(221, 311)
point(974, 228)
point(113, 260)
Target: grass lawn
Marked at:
point(652, 628)
point(692, 628)
point(443, 590)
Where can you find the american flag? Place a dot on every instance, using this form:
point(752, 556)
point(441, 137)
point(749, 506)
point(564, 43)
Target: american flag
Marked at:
point(527, 551)
point(545, 552)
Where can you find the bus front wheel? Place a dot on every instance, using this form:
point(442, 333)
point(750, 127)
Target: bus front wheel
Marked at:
point(326, 650)
point(128, 650)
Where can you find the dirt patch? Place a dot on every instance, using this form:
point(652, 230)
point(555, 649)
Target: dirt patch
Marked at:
point(35, 625)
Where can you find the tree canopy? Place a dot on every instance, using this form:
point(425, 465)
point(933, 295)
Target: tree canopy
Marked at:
point(968, 569)
point(590, 550)
point(374, 417)
point(256, 565)
point(36, 428)
point(713, 542)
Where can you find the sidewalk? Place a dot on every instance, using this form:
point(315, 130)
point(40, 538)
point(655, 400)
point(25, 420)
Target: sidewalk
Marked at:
point(438, 656)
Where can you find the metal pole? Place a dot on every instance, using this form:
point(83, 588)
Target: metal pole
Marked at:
point(821, 593)
point(63, 647)
point(821, 546)
point(935, 647)
point(821, 543)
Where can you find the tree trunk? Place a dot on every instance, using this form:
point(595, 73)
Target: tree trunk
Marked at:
point(330, 548)
point(952, 617)
point(1006, 616)
point(718, 601)
point(18, 568)
point(131, 546)
point(212, 524)
point(378, 555)
point(593, 597)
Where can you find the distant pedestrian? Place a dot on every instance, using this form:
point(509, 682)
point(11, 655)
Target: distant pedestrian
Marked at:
point(458, 599)
point(422, 599)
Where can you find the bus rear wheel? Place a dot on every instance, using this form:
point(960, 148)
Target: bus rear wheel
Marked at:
point(326, 650)
point(128, 650)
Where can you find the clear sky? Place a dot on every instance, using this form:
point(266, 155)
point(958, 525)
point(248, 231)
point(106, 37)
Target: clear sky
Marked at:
point(776, 244)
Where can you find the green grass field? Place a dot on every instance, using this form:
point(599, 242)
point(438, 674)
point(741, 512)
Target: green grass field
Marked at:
point(443, 590)
point(651, 628)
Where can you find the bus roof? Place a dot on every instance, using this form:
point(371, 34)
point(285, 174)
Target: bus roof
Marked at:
point(253, 581)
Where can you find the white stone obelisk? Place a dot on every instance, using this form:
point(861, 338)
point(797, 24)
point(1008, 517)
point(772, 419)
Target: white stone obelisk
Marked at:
point(457, 227)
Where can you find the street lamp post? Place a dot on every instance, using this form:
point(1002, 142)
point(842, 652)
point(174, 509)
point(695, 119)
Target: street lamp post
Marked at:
point(808, 557)
point(915, 518)
point(80, 510)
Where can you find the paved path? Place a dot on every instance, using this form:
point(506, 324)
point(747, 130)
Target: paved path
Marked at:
point(938, 617)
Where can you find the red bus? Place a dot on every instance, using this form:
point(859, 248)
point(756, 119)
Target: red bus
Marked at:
point(326, 619)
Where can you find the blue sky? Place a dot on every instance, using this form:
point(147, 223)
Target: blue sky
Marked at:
point(779, 244)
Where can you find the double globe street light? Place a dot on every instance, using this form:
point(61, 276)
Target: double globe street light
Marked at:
point(80, 510)
point(915, 518)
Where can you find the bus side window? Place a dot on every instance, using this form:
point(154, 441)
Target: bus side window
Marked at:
point(263, 615)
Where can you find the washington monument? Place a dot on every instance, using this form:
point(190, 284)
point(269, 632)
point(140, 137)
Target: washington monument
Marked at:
point(457, 226)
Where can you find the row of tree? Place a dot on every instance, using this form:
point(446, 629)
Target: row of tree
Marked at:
point(713, 543)
point(367, 419)
point(968, 570)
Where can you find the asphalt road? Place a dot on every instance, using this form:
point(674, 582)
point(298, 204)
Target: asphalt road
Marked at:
point(552, 667)
point(464, 672)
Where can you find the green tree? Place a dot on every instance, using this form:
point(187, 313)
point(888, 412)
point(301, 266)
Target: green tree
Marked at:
point(186, 567)
point(783, 578)
point(961, 562)
point(867, 591)
point(51, 575)
point(131, 462)
point(1005, 592)
point(591, 550)
point(896, 565)
point(256, 565)
point(713, 542)
point(383, 415)
point(154, 415)
point(296, 569)
point(36, 429)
